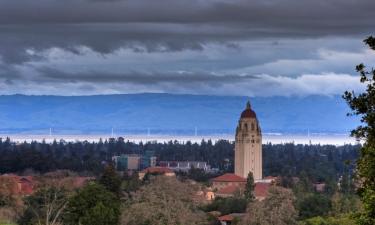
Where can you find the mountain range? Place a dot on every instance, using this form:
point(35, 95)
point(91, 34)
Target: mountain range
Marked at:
point(170, 114)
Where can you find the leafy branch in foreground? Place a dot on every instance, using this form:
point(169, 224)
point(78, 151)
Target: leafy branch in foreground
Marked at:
point(363, 105)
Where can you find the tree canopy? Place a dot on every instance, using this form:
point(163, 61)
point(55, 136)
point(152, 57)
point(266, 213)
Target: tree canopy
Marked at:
point(363, 105)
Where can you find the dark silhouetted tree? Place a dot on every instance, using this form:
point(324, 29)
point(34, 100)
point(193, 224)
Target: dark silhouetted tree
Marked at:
point(111, 180)
point(363, 105)
point(249, 190)
point(92, 205)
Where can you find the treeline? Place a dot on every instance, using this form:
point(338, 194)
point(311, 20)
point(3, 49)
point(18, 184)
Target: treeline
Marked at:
point(320, 162)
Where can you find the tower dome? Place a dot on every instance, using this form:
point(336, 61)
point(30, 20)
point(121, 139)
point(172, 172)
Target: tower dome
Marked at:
point(248, 112)
point(248, 145)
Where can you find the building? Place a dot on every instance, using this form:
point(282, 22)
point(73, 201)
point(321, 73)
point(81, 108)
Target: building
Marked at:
point(134, 161)
point(148, 160)
point(248, 145)
point(156, 171)
point(261, 190)
point(20, 185)
point(228, 179)
point(248, 158)
point(229, 185)
point(185, 166)
point(228, 219)
point(319, 186)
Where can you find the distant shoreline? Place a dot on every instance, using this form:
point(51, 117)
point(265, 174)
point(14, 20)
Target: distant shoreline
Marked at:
point(274, 138)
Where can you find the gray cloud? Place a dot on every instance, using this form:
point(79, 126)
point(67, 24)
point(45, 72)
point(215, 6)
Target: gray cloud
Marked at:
point(169, 25)
point(151, 78)
point(184, 46)
point(270, 13)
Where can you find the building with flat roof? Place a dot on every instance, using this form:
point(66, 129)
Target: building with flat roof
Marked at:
point(134, 161)
point(185, 166)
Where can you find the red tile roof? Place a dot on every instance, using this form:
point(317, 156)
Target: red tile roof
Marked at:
point(157, 170)
point(24, 185)
point(229, 177)
point(228, 190)
point(261, 189)
point(226, 218)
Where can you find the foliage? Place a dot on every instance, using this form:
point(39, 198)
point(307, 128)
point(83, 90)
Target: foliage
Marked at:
point(227, 205)
point(163, 201)
point(44, 207)
point(111, 180)
point(6, 223)
point(249, 190)
point(277, 208)
point(196, 174)
point(92, 205)
point(320, 162)
point(341, 220)
point(8, 216)
point(130, 183)
point(363, 105)
point(313, 205)
point(8, 197)
point(344, 204)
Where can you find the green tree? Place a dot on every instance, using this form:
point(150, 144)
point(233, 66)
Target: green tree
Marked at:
point(249, 190)
point(277, 208)
point(363, 105)
point(163, 201)
point(111, 180)
point(130, 183)
point(227, 205)
point(344, 204)
point(92, 205)
point(45, 207)
point(313, 205)
point(342, 220)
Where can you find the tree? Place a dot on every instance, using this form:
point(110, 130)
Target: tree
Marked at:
point(249, 191)
point(130, 183)
point(344, 204)
point(111, 180)
point(277, 208)
point(8, 189)
point(363, 105)
point(163, 201)
point(344, 220)
point(92, 205)
point(313, 205)
point(45, 207)
point(227, 205)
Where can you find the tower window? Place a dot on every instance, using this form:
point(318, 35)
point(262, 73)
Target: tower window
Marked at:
point(246, 126)
point(252, 126)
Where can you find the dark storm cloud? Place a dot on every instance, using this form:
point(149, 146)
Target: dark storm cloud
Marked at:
point(260, 12)
point(170, 25)
point(122, 46)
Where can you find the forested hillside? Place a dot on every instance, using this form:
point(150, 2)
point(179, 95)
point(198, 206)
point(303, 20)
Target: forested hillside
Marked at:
point(169, 114)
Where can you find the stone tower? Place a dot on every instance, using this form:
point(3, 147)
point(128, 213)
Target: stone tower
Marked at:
point(248, 146)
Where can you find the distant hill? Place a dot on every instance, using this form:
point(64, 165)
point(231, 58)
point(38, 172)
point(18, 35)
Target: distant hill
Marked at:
point(170, 114)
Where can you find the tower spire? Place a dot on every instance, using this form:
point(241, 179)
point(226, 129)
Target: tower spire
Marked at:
point(248, 106)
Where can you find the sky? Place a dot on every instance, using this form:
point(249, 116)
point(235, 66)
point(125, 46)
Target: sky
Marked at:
point(213, 47)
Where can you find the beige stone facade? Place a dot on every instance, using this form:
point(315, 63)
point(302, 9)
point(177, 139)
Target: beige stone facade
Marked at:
point(248, 145)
